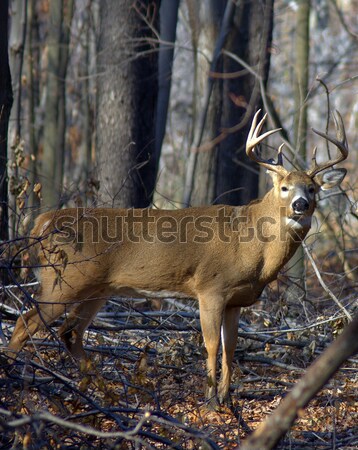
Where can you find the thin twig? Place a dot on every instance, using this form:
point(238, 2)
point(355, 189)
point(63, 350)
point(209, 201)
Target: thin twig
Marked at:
point(323, 284)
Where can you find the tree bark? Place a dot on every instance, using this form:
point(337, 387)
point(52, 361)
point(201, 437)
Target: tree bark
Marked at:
point(127, 95)
point(33, 70)
point(250, 39)
point(86, 162)
point(15, 151)
point(67, 16)
point(49, 168)
point(168, 23)
point(301, 77)
point(297, 262)
point(54, 126)
point(6, 99)
point(206, 18)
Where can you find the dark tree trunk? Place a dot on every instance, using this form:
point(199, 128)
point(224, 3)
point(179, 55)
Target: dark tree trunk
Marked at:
point(6, 99)
point(168, 24)
point(127, 95)
point(33, 70)
point(250, 39)
point(17, 40)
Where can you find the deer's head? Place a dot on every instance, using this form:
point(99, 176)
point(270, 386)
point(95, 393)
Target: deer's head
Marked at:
point(296, 190)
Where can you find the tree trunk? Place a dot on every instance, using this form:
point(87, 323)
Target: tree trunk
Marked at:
point(297, 264)
point(168, 24)
point(6, 99)
point(127, 95)
point(54, 125)
point(15, 153)
point(301, 76)
point(205, 18)
point(62, 74)
point(79, 171)
point(250, 39)
point(33, 70)
point(50, 190)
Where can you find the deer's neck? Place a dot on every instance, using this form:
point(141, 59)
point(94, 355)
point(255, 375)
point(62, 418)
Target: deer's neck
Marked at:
point(277, 236)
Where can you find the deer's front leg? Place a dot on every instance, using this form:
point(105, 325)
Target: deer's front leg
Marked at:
point(211, 314)
point(229, 342)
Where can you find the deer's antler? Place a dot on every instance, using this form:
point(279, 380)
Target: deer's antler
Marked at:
point(340, 142)
point(254, 139)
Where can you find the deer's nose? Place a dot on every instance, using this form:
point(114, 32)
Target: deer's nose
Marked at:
point(300, 205)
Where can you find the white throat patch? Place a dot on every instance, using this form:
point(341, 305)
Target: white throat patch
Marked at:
point(299, 224)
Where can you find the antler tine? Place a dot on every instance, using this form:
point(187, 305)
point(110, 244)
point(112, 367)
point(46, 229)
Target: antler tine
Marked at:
point(340, 142)
point(254, 139)
point(279, 155)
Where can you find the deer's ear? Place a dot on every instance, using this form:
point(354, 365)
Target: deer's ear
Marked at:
point(330, 179)
point(276, 178)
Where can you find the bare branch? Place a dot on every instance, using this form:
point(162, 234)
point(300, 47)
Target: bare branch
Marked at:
point(323, 284)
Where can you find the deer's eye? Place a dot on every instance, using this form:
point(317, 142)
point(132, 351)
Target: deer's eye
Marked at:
point(311, 190)
point(284, 189)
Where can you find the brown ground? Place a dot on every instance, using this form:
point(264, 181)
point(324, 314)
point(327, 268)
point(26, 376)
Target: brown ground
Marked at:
point(160, 372)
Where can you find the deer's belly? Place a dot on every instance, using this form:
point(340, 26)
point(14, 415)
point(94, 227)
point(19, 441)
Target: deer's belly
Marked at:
point(244, 295)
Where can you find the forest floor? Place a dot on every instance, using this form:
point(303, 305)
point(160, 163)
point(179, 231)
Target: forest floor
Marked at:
point(142, 386)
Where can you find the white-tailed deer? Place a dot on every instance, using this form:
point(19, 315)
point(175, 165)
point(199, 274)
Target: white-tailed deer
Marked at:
point(221, 255)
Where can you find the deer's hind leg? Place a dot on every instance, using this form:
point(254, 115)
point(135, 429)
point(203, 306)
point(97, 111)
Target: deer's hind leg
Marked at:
point(72, 330)
point(52, 303)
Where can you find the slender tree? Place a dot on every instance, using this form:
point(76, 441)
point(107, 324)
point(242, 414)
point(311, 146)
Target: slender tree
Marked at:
point(17, 40)
point(54, 127)
point(6, 99)
point(205, 20)
point(168, 23)
point(301, 73)
point(33, 70)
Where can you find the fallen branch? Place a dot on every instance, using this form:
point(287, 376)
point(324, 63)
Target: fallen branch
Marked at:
point(277, 424)
point(271, 362)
